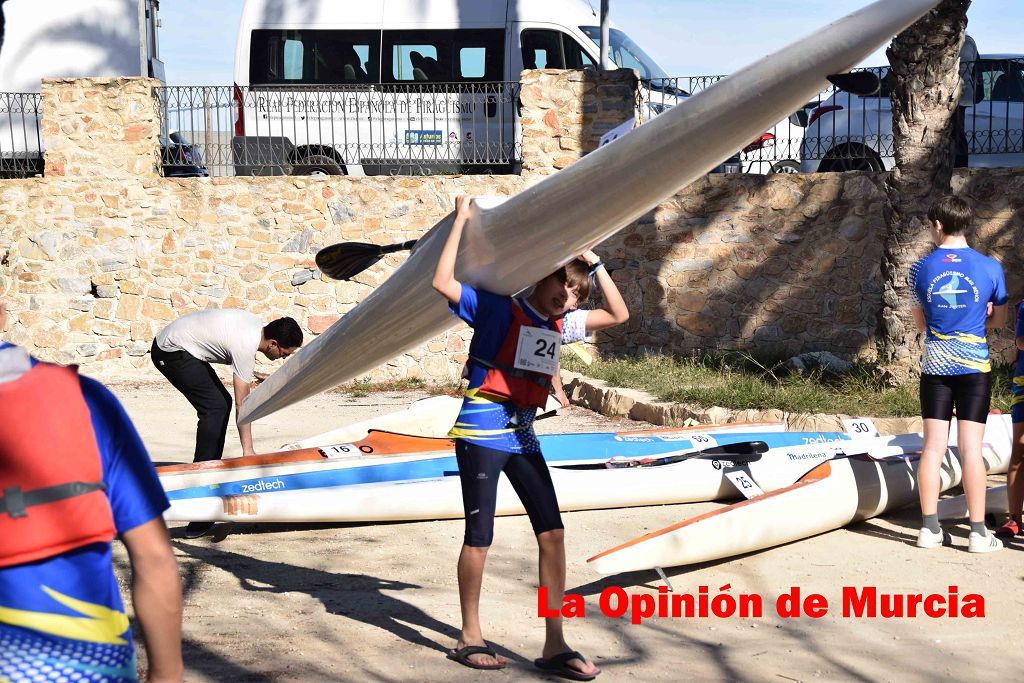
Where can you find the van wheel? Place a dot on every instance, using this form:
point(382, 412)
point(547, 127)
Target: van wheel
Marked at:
point(317, 164)
point(787, 166)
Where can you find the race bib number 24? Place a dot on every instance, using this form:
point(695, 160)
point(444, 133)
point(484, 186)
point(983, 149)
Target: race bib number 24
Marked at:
point(538, 350)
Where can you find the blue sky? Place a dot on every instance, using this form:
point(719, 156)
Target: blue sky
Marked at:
point(686, 37)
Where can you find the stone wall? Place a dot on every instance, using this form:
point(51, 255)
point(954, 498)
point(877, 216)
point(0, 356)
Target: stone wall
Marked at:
point(783, 264)
point(565, 113)
point(101, 128)
point(97, 267)
point(101, 253)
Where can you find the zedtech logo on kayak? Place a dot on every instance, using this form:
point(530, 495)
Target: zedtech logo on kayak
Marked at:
point(263, 485)
point(856, 602)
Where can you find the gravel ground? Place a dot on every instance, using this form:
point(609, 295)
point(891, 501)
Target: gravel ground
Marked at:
point(379, 601)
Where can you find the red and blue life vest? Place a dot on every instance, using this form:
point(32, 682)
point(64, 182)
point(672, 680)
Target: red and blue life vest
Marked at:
point(51, 493)
point(523, 388)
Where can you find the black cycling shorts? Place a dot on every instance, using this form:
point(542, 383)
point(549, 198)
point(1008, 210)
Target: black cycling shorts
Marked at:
point(971, 395)
point(479, 469)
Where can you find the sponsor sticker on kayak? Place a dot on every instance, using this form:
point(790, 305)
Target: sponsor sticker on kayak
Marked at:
point(698, 440)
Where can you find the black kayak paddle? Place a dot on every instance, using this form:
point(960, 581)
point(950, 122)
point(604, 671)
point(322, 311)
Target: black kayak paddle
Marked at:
point(742, 452)
point(345, 260)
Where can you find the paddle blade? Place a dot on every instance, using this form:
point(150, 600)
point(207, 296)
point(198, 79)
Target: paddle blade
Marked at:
point(860, 83)
point(742, 452)
point(734, 458)
point(741, 448)
point(345, 260)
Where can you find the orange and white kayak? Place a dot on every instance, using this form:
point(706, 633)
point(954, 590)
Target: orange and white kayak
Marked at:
point(431, 417)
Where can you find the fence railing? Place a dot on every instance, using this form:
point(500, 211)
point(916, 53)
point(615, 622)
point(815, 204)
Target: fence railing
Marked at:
point(431, 128)
point(396, 129)
point(20, 139)
point(842, 130)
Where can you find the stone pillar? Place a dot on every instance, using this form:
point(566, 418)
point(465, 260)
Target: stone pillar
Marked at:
point(565, 113)
point(101, 127)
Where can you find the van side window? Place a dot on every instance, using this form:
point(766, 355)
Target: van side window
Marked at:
point(473, 62)
point(292, 60)
point(314, 57)
point(443, 56)
point(575, 56)
point(415, 63)
point(544, 49)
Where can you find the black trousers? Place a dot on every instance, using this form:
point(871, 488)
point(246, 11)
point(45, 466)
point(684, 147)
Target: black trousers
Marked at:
point(960, 144)
point(203, 389)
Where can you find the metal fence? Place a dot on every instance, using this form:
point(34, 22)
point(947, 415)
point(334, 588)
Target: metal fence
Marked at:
point(432, 128)
point(394, 129)
point(842, 130)
point(20, 139)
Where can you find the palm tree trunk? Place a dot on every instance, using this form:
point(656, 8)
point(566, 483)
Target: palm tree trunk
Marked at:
point(925, 85)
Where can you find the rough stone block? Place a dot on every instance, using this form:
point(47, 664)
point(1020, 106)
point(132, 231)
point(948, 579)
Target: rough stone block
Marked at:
point(318, 324)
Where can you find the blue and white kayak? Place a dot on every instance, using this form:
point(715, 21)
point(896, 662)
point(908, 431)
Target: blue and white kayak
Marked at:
point(383, 447)
point(390, 489)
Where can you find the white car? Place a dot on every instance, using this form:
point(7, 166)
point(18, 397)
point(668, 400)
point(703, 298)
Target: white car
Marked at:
point(778, 149)
point(847, 132)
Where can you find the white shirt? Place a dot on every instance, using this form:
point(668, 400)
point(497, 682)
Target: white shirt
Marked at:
point(216, 335)
point(968, 68)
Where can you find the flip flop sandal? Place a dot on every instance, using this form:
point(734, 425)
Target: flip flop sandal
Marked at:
point(462, 657)
point(559, 664)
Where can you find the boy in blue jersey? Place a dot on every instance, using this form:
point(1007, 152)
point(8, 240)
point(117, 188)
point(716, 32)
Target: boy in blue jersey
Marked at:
point(960, 294)
point(512, 360)
point(61, 615)
point(1014, 480)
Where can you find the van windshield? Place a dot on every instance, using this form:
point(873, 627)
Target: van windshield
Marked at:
point(626, 53)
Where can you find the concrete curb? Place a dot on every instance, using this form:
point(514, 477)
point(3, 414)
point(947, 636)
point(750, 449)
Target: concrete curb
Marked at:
point(635, 404)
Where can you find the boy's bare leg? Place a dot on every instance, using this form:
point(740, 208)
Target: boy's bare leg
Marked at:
point(936, 442)
point(969, 439)
point(552, 577)
point(471, 576)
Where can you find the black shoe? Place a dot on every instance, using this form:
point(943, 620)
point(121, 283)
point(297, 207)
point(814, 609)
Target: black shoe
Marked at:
point(198, 529)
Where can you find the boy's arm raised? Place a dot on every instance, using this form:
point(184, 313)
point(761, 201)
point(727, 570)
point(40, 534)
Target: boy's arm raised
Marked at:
point(444, 274)
point(615, 311)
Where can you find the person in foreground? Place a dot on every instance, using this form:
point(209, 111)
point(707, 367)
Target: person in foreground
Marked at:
point(960, 294)
point(1014, 476)
point(513, 357)
point(73, 473)
point(183, 351)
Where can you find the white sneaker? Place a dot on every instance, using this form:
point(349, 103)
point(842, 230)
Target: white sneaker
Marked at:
point(927, 538)
point(988, 543)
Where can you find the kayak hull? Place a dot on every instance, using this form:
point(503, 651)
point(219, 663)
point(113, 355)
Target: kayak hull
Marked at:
point(832, 495)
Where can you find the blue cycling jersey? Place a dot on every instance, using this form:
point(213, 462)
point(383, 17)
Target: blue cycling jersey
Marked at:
point(953, 287)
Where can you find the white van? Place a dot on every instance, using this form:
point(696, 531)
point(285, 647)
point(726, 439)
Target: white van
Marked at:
point(400, 86)
point(64, 39)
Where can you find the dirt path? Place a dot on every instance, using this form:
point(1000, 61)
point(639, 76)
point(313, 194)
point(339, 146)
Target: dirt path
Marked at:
point(379, 602)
